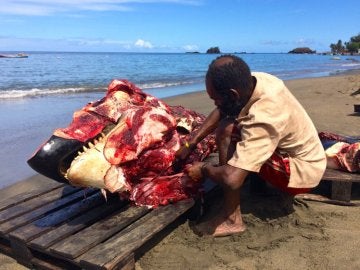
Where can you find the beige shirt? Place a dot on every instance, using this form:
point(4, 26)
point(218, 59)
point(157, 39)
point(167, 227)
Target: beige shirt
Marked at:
point(274, 120)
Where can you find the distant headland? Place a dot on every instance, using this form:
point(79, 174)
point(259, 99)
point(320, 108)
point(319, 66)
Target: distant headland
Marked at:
point(351, 47)
point(302, 50)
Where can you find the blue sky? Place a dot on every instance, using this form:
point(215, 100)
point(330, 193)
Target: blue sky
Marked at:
point(175, 25)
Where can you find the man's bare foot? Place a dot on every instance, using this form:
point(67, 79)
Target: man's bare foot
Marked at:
point(220, 226)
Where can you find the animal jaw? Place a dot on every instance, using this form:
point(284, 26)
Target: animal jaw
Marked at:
point(122, 142)
point(89, 167)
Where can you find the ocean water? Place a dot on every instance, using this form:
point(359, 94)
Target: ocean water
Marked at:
point(44, 74)
point(40, 93)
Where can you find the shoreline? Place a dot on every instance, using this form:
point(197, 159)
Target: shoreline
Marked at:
point(22, 135)
point(335, 74)
point(163, 92)
point(330, 230)
point(331, 93)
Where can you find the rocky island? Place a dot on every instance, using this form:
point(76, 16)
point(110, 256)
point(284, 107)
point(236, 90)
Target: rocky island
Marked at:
point(302, 50)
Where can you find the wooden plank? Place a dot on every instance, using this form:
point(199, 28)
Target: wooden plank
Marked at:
point(111, 254)
point(127, 264)
point(21, 252)
point(53, 219)
point(14, 223)
point(341, 191)
point(356, 107)
point(5, 247)
point(24, 196)
point(36, 202)
point(46, 265)
point(341, 184)
point(48, 262)
point(323, 199)
point(79, 243)
point(71, 227)
point(337, 175)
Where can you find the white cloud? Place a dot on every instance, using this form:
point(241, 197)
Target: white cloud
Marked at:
point(96, 42)
point(274, 42)
point(304, 41)
point(143, 44)
point(49, 7)
point(190, 47)
point(66, 44)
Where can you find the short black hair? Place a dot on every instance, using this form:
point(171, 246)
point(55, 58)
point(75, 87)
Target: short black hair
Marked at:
point(233, 74)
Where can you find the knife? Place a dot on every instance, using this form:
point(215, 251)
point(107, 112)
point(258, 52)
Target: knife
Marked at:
point(176, 165)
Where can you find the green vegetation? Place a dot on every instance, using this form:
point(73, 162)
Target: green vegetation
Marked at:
point(351, 46)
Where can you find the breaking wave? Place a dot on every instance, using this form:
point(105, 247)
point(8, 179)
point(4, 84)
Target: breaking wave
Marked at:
point(37, 92)
point(351, 65)
point(156, 85)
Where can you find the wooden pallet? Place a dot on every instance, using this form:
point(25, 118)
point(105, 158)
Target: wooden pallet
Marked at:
point(56, 226)
point(341, 183)
point(357, 108)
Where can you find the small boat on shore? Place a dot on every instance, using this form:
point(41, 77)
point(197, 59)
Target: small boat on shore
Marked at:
point(18, 55)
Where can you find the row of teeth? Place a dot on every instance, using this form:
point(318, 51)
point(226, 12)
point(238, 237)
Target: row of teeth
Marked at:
point(91, 144)
point(85, 148)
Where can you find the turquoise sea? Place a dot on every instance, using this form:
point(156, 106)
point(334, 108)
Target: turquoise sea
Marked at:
point(41, 92)
point(162, 74)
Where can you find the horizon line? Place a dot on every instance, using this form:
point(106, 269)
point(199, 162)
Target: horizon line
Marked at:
point(186, 52)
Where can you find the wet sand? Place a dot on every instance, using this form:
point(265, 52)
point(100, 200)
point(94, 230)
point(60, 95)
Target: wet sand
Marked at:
point(281, 234)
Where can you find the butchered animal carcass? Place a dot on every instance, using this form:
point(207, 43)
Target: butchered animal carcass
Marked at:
point(125, 143)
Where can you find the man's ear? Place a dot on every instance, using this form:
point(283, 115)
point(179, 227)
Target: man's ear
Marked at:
point(234, 94)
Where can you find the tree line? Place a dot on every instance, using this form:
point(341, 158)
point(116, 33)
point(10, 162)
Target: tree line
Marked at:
point(351, 46)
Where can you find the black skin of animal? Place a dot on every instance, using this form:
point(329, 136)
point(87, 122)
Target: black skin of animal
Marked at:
point(54, 157)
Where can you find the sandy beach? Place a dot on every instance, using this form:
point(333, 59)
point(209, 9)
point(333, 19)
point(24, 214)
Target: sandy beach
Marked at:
point(281, 234)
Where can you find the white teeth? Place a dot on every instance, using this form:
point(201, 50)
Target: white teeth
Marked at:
point(84, 148)
point(90, 145)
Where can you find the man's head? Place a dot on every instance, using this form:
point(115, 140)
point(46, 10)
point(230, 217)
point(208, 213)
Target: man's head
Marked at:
point(229, 83)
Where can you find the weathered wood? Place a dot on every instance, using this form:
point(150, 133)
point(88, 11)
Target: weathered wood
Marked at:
point(323, 199)
point(79, 243)
point(45, 265)
point(71, 227)
point(341, 184)
point(5, 247)
point(24, 196)
point(28, 217)
point(126, 264)
point(21, 252)
point(53, 226)
point(109, 254)
point(36, 202)
point(356, 107)
point(42, 261)
point(341, 191)
point(337, 175)
point(53, 219)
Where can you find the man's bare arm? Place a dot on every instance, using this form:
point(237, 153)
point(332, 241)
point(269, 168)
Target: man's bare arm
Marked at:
point(208, 126)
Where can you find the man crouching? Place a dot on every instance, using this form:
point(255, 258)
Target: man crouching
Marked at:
point(260, 127)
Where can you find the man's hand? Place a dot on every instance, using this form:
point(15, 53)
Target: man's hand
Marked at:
point(184, 151)
point(194, 171)
point(181, 155)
